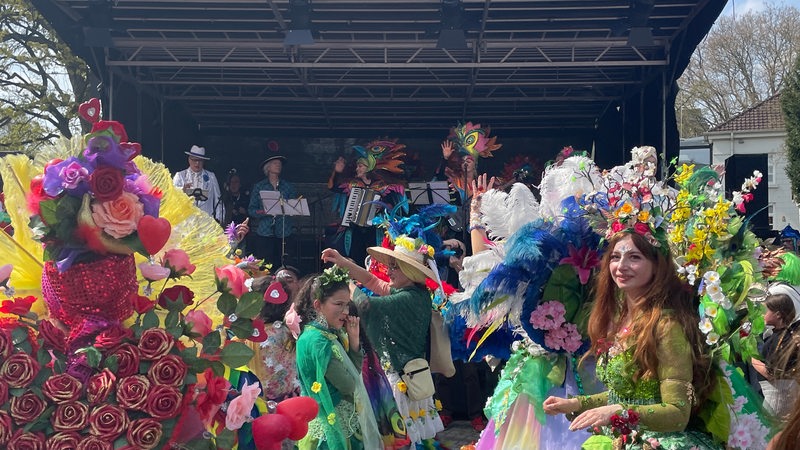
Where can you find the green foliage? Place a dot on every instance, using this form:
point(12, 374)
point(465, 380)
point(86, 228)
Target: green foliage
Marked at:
point(790, 103)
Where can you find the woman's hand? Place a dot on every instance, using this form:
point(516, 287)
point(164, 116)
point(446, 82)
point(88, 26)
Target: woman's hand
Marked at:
point(558, 405)
point(479, 186)
point(352, 325)
point(594, 417)
point(447, 149)
point(331, 255)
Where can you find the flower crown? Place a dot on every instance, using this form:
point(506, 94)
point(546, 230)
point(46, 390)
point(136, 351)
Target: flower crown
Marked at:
point(94, 203)
point(329, 276)
point(414, 247)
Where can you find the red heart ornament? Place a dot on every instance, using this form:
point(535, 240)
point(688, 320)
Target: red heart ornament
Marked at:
point(270, 430)
point(275, 294)
point(133, 149)
point(90, 111)
point(299, 411)
point(154, 233)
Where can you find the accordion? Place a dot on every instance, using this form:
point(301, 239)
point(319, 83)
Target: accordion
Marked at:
point(361, 207)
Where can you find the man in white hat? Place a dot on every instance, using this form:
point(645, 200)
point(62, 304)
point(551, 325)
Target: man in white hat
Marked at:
point(200, 184)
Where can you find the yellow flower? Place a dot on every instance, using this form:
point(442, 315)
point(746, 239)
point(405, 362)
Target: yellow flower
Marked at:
point(401, 386)
point(316, 387)
point(423, 413)
point(644, 216)
point(332, 418)
point(625, 210)
point(685, 172)
point(438, 404)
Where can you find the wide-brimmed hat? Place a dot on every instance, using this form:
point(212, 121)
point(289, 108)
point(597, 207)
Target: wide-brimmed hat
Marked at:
point(272, 158)
point(198, 152)
point(412, 263)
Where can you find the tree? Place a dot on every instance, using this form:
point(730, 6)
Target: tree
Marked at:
point(790, 103)
point(40, 80)
point(742, 61)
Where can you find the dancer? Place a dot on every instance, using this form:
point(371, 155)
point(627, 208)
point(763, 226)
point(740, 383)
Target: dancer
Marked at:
point(328, 362)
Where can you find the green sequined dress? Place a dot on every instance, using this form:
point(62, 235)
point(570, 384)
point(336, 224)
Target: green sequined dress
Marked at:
point(664, 403)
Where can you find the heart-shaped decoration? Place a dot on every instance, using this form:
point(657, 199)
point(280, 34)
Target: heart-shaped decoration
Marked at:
point(154, 233)
point(133, 149)
point(275, 294)
point(270, 430)
point(90, 111)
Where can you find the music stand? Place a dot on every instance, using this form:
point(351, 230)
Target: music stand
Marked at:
point(275, 205)
point(434, 192)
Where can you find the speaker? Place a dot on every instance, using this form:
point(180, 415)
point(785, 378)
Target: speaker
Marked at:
point(737, 169)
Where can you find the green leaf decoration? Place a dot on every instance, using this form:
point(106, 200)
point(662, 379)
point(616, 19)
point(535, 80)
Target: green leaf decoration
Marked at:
point(112, 363)
point(211, 343)
point(150, 320)
point(19, 335)
point(218, 368)
point(236, 354)
point(242, 328)
point(250, 305)
point(93, 356)
point(565, 287)
point(172, 319)
point(715, 413)
point(225, 439)
point(226, 303)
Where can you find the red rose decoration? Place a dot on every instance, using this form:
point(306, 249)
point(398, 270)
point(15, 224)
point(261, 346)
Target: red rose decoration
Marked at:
point(94, 443)
point(26, 408)
point(155, 343)
point(106, 183)
point(19, 370)
point(209, 401)
point(163, 402)
point(26, 441)
point(169, 370)
point(145, 433)
point(112, 337)
point(3, 394)
point(142, 304)
point(99, 386)
point(127, 360)
point(54, 337)
point(6, 428)
point(62, 388)
point(108, 421)
point(63, 440)
point(71, 416)
point(5, 344)
point(176, 298)
point(132, 392)
point(19, 306)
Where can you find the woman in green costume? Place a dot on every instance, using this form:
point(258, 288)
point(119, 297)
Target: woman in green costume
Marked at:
point(328, 362)
point(650, 354)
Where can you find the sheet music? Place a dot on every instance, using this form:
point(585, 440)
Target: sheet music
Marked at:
point(274, 205)
point(435, 192)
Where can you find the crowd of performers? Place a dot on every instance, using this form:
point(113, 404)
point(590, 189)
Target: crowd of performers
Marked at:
point(621, 310)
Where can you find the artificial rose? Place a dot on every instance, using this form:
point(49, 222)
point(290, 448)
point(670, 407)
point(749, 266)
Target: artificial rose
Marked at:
point(64, 440)
point(62, 388)
point(616, 227)
point(238, 411)
point(26, 408)
point(6, 427)
point(72, 173)
point(178, 262)
point(155, 343)
point(142, 304)
point(106, 183)
point(210, 400)
point(201, 323)
point(163, 402)
point(54, 337)
point(19, 305)
point(153, 272)
point(99, 386)
point(169, 370)
point(118, 217)
point(112, 337)
point(144, 433)
point(19, 370)
point(3, 394)
point(6, 347)
point(641, 228)
point(95, 443)
point(70, 416)
point(132, 391)
point(231, 278)
point(108, 421)
point(128, 356)
point(25, 440)
point(176, 298)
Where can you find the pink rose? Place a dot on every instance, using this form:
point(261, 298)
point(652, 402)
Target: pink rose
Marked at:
point(231, 278)
point(5, 273)
point(72, 174)
point(118, 217)
point(144, 434)
point(62, 388)
point(292, 321)
point(70, 416)
point(239, 409)
point(178, 262)
point(153, 272)
point(201, 323)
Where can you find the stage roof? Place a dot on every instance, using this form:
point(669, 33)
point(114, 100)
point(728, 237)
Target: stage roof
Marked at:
point(380, 65)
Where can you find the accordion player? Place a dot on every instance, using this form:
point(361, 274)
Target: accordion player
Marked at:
point(362, 205)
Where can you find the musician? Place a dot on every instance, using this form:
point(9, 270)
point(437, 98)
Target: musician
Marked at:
point(378, 171)
point(201, 184)
point(269, 229)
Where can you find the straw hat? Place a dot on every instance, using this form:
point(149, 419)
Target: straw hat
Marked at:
point(198, 152)
point(411, 255)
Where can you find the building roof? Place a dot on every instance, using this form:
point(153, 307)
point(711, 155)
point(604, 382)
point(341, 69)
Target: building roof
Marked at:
point(763, 116)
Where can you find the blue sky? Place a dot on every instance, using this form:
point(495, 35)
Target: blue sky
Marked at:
point(741, 6)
